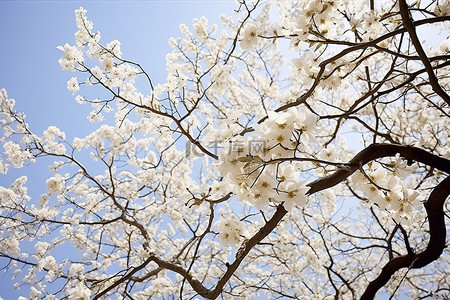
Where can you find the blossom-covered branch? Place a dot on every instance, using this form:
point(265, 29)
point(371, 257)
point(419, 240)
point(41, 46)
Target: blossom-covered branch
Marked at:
point(223, 180)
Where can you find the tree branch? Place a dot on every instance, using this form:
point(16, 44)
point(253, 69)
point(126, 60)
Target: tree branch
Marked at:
point(245, 249)
point(435, 211)
point(434, 206)
point(375, 151)
point(231, 268)
point(410, 27)
point(123, 278)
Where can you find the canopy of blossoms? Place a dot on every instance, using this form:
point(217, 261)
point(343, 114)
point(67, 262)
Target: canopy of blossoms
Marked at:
point(298, 150)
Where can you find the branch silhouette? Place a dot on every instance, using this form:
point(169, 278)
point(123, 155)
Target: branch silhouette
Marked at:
point(375, 151)
point(435, 212)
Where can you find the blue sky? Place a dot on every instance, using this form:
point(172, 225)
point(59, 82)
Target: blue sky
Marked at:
point(29, 69)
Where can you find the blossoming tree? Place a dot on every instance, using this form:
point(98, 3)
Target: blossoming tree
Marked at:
point(301, 152)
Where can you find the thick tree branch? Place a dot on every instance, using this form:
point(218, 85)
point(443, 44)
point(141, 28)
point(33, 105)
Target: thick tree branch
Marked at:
point(435, 211)
point(348, 50)
point(375, 151)
point(410, 27)
point(231, 268)
point(196, 285)
point(245, 249)
point(434, 206)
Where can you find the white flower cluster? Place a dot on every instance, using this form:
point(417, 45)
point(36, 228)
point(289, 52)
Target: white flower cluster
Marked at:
point(84, 26)
point(79, 292)
point(72, 57)
point(247, 162)
point(17, 152)
point(387, 188)
point(111, 70)
point(55, 184)
point(201, 28)
point(10, 245)
point(17, 156)
point(41, 248)
point(231, 230)
point(52, 140)
point(249, 36)
point(73, 85)
point(442, 8)
point(6, 106)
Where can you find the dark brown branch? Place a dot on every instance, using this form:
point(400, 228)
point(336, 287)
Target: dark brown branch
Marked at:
point(435, 211)
point(346, 51)
point(196, 285)
point(200, 238)
point(434, 206)
point(375, 151)
point(231, 268)
point(245, 249)
point(410, 27)
point(178, 122)
point(123, 279)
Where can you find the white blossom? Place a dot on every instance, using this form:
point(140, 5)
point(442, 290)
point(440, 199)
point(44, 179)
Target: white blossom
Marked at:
point(34, 294)
point(72, 58)
point(72, 85)
point(231, 230)
point(442, 8)
point(249, 36)
point(79, 292)
point(17, 156)
point(55, 184)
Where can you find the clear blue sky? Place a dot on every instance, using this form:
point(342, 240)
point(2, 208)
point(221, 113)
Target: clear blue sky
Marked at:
point(29, 69)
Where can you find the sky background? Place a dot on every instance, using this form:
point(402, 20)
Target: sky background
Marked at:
point(30, 31)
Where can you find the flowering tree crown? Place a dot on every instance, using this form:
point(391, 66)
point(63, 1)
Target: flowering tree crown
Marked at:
point(299, 152)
